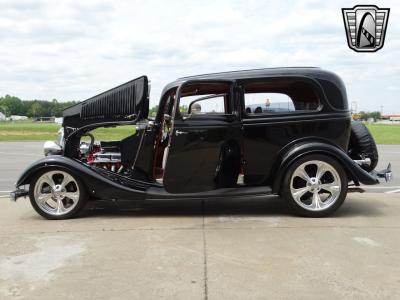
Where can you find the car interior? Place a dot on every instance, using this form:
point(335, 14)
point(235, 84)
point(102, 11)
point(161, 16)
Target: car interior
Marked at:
point(197, 101)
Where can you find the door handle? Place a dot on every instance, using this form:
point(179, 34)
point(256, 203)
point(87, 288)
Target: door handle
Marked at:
point(178, 132)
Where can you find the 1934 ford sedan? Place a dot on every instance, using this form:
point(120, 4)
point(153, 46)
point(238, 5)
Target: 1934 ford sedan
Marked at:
point(285, 131)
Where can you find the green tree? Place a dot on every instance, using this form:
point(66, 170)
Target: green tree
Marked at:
point(12, 105)
point(376, 115)
point(153, 111)
point(4, 110)
point(36, 110)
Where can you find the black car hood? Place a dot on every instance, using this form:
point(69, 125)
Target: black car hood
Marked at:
point(127, 102)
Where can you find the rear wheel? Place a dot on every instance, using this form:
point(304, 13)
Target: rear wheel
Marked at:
point(57, 194)
point(315, 186)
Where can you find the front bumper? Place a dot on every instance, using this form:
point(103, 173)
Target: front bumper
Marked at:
point(18, 193)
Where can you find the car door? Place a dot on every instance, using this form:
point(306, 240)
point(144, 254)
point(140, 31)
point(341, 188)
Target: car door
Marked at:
point(200, 134)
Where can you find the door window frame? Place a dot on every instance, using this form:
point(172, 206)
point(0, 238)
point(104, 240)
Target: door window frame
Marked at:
point(232, 102)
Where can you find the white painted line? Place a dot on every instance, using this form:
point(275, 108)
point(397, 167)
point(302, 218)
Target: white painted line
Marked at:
point(11, 191)
point(392, 192)
point(372, 187)
point(21, 154)
point(391, 152)
point(6, 196)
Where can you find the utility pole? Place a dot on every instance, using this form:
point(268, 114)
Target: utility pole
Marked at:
point(354, 107)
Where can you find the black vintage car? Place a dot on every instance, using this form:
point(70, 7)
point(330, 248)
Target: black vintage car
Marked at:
point(285, 131)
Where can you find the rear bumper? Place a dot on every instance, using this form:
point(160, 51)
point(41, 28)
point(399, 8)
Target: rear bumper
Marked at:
point(385, 174)
point(370, 178)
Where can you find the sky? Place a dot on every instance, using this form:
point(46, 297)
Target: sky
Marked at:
point(72, 50)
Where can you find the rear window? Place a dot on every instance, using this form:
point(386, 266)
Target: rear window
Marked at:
point(279, 96)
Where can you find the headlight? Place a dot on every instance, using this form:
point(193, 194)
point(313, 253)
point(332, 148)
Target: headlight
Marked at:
point(54, 148)
point(51, 148)
point(60, 137)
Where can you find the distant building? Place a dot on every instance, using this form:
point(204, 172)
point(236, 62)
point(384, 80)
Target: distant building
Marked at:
point(395, 119)
point(2, 116)
point(18, 118)
point(392, 118)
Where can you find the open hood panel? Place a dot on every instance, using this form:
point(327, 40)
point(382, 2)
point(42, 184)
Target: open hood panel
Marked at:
point(127, 102)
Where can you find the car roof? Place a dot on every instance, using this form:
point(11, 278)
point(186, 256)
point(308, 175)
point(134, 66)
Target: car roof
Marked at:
point(252, 73)
point(312, 72)
point(333, 85)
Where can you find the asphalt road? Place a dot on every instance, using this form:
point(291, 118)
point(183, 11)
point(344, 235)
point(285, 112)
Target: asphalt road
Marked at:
point(16, 156)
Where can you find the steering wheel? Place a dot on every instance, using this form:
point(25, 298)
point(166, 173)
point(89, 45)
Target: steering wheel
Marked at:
point(166, 125)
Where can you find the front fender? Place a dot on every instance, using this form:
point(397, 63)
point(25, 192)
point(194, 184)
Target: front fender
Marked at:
point(353, 170)
point(97, 185)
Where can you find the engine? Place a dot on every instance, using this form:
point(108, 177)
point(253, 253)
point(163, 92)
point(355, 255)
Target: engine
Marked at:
point(104, 155)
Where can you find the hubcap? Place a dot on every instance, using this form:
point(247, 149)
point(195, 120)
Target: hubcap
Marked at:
point(56, 193)
point(315, 185)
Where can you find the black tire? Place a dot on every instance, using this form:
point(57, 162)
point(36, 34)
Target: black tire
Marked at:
point(73, 213)
point(339, 199)
point(362, 145)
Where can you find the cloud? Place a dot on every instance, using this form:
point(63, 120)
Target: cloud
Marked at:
point(75, 49)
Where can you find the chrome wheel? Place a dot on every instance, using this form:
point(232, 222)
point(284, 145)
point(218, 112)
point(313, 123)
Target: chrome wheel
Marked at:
point(315, 185)
point(56, 193)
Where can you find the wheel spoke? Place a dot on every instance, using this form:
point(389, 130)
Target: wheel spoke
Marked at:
point(321, 169)
point(302, 173)
point(74, 196)
point(48, 178)
point(298, 193)
point(67, 179)
point(60, 206)
point(43, 198)
point(330, 187)
point(316, 201)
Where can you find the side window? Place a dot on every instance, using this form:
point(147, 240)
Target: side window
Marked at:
point(205, 99)
point(205, 104)
point(279, 96)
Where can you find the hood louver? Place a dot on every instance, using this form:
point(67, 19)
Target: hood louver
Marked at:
point(123, 103)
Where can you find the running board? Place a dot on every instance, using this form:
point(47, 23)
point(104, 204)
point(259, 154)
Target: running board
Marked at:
point(159, 193)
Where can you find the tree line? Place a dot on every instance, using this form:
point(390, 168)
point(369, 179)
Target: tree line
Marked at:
point(11, 105)
point(362, 115)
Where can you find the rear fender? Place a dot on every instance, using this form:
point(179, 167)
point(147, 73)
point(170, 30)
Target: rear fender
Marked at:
point(97, 185)
point(353, 170)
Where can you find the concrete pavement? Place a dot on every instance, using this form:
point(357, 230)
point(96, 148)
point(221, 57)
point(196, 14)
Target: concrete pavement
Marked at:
point(217, 249)
point(252, 248)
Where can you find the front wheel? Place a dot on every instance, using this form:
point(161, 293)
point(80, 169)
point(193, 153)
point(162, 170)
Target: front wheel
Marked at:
point(57, 194)
point(315, 186)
